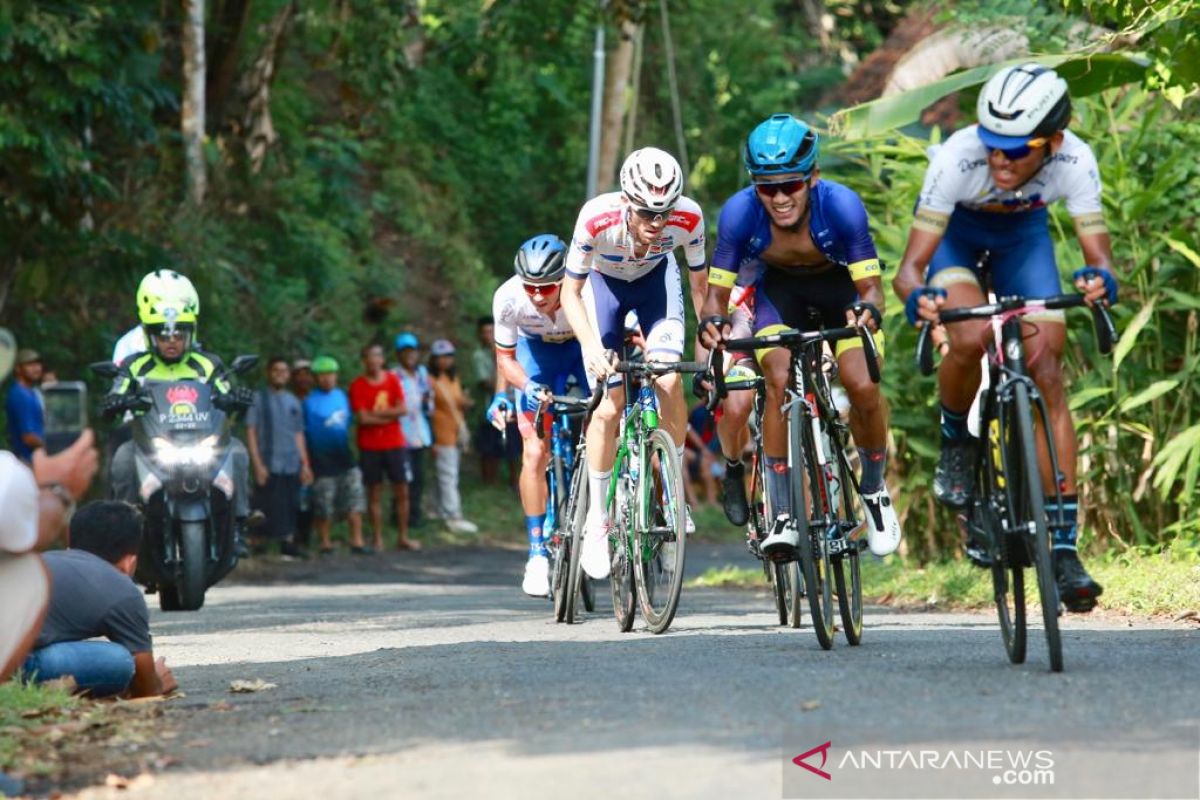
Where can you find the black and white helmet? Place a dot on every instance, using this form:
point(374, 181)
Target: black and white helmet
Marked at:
point(1022, 103)
point(541, 260)
point(651, 179)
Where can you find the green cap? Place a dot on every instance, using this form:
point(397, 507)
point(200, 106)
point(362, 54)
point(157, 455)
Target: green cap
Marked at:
point(324, 364)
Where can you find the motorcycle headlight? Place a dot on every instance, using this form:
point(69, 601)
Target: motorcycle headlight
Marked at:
point(201, 452)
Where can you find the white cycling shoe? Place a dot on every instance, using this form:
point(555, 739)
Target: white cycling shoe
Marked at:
point(883, 526)
point(594, 557)
point(537, 577)
point(784, 539)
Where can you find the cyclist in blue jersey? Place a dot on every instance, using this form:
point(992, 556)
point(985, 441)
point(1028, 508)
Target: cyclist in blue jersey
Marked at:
point(987, 189)
point(804, 244)
point(536, 353)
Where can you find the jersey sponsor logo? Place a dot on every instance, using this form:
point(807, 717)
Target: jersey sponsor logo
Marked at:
point(1065, 158)
point(684, 219)
point(965, 165)
point(602, 222)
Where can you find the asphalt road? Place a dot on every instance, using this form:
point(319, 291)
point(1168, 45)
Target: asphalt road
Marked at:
point(431, 675)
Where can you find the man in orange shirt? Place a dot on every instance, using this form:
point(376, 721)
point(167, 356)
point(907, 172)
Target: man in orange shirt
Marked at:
point(377, 401)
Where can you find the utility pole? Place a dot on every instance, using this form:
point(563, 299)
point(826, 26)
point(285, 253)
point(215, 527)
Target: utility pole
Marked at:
point(597, 104)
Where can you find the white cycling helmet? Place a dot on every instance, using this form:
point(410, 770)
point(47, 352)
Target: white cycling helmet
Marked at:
point(651, 179)
point(1022, 103)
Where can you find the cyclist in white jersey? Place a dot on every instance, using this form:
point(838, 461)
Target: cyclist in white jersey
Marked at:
point(536, 353)
point(987, 189)
point(623, 254)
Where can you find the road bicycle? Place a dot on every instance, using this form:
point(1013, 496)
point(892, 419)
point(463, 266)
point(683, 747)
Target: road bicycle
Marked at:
point(1006, 504)
point(784, 578)
point(822, 480)
point(566, 501)
point(646, 506)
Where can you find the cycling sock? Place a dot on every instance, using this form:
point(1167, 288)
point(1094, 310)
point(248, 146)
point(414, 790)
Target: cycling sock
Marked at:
point(777, 484)
point(873, 460)
point(1063, 535)
point(954, 424)
point(598, 485)
point(535, 527)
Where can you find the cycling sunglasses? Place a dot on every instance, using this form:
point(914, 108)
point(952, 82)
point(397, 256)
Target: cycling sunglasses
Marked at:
point(1017, 153)
point(544, 289)
point(650, 215)
point(175, 336)
point(770, 189)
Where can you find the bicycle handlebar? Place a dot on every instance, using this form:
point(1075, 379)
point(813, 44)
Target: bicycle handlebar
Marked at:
point(1106, 331)
point(571, 404)
point(660, 367)
point(794, 340)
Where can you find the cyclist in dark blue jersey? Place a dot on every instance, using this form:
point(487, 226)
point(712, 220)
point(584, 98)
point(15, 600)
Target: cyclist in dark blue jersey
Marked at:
point(805, 246)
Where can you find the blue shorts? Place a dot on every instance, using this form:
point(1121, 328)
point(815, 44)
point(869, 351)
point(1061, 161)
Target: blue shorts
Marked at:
point(1022, 254)
point(551, 364)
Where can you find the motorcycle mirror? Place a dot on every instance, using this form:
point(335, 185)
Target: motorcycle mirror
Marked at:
point(243, 363)
point(105, 369)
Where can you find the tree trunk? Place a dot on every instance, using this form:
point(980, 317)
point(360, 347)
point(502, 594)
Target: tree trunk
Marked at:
point(257, 126)
point(192, 119)
point(615, 103)
point(224, 45)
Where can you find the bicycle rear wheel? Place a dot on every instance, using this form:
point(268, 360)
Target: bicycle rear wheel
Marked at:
point(790, 592)
point(1032, 509)
point(814, 552)
point(620, 579)
point(568, 572)
point(846, 569)
point(1008, 574)
point(660, 546)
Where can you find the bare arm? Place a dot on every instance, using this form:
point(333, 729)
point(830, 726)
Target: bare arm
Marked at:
point(716, 304)
point(577, 317)
point(698, 283)
point(870, 290)
point(508, 371)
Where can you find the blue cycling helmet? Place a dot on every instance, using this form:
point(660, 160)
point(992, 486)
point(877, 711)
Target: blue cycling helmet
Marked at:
point(542, 259)
point(780, 145)
point(407, 341)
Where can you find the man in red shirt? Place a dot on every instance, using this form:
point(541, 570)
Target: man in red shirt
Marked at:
point(377, 400)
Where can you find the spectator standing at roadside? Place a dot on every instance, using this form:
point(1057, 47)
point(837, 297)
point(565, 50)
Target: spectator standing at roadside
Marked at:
point(488, 441)
point(418, 401)
point(278, 455)
point(93, 595)
point(449, 429)
point(337, 490)
point(377, 400)
point(302, 383)
point(23, 405)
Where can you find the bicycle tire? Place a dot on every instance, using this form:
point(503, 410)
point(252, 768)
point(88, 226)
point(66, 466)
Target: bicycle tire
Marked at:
point(1008, 576)
point(779, 589)
point(814, 556)
point(850, 599)
point(577, 503)
point(620, 580)
point(658, 567)
point(1033, 504)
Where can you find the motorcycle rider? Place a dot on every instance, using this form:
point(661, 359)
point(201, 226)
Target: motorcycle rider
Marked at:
point(169, 310)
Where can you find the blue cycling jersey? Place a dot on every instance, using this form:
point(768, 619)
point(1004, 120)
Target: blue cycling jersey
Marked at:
point(838, 225)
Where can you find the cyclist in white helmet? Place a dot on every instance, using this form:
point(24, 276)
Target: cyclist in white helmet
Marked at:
point(987, 189)
point(622, 253)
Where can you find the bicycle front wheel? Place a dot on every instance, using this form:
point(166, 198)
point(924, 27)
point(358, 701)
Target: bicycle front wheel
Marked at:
point(850, 592)
point(1032, 513)
point(660, 544)
point(814, 550)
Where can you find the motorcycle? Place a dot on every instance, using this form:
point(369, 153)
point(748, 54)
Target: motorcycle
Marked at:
point(185, 480)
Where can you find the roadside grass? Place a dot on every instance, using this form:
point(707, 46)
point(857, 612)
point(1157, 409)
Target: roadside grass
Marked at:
point(1137, 582)
point(51, 738)
point(23, 709)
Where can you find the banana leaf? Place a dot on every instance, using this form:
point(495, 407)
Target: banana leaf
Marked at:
point(1086, 75)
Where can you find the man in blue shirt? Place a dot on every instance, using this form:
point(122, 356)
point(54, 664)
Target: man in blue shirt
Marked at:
point(803, 243)
point(26, 417)
point(338, 488)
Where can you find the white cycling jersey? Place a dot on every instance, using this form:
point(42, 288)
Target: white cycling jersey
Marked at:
point(516, 316)
point(958, 176)
point(602, 241)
